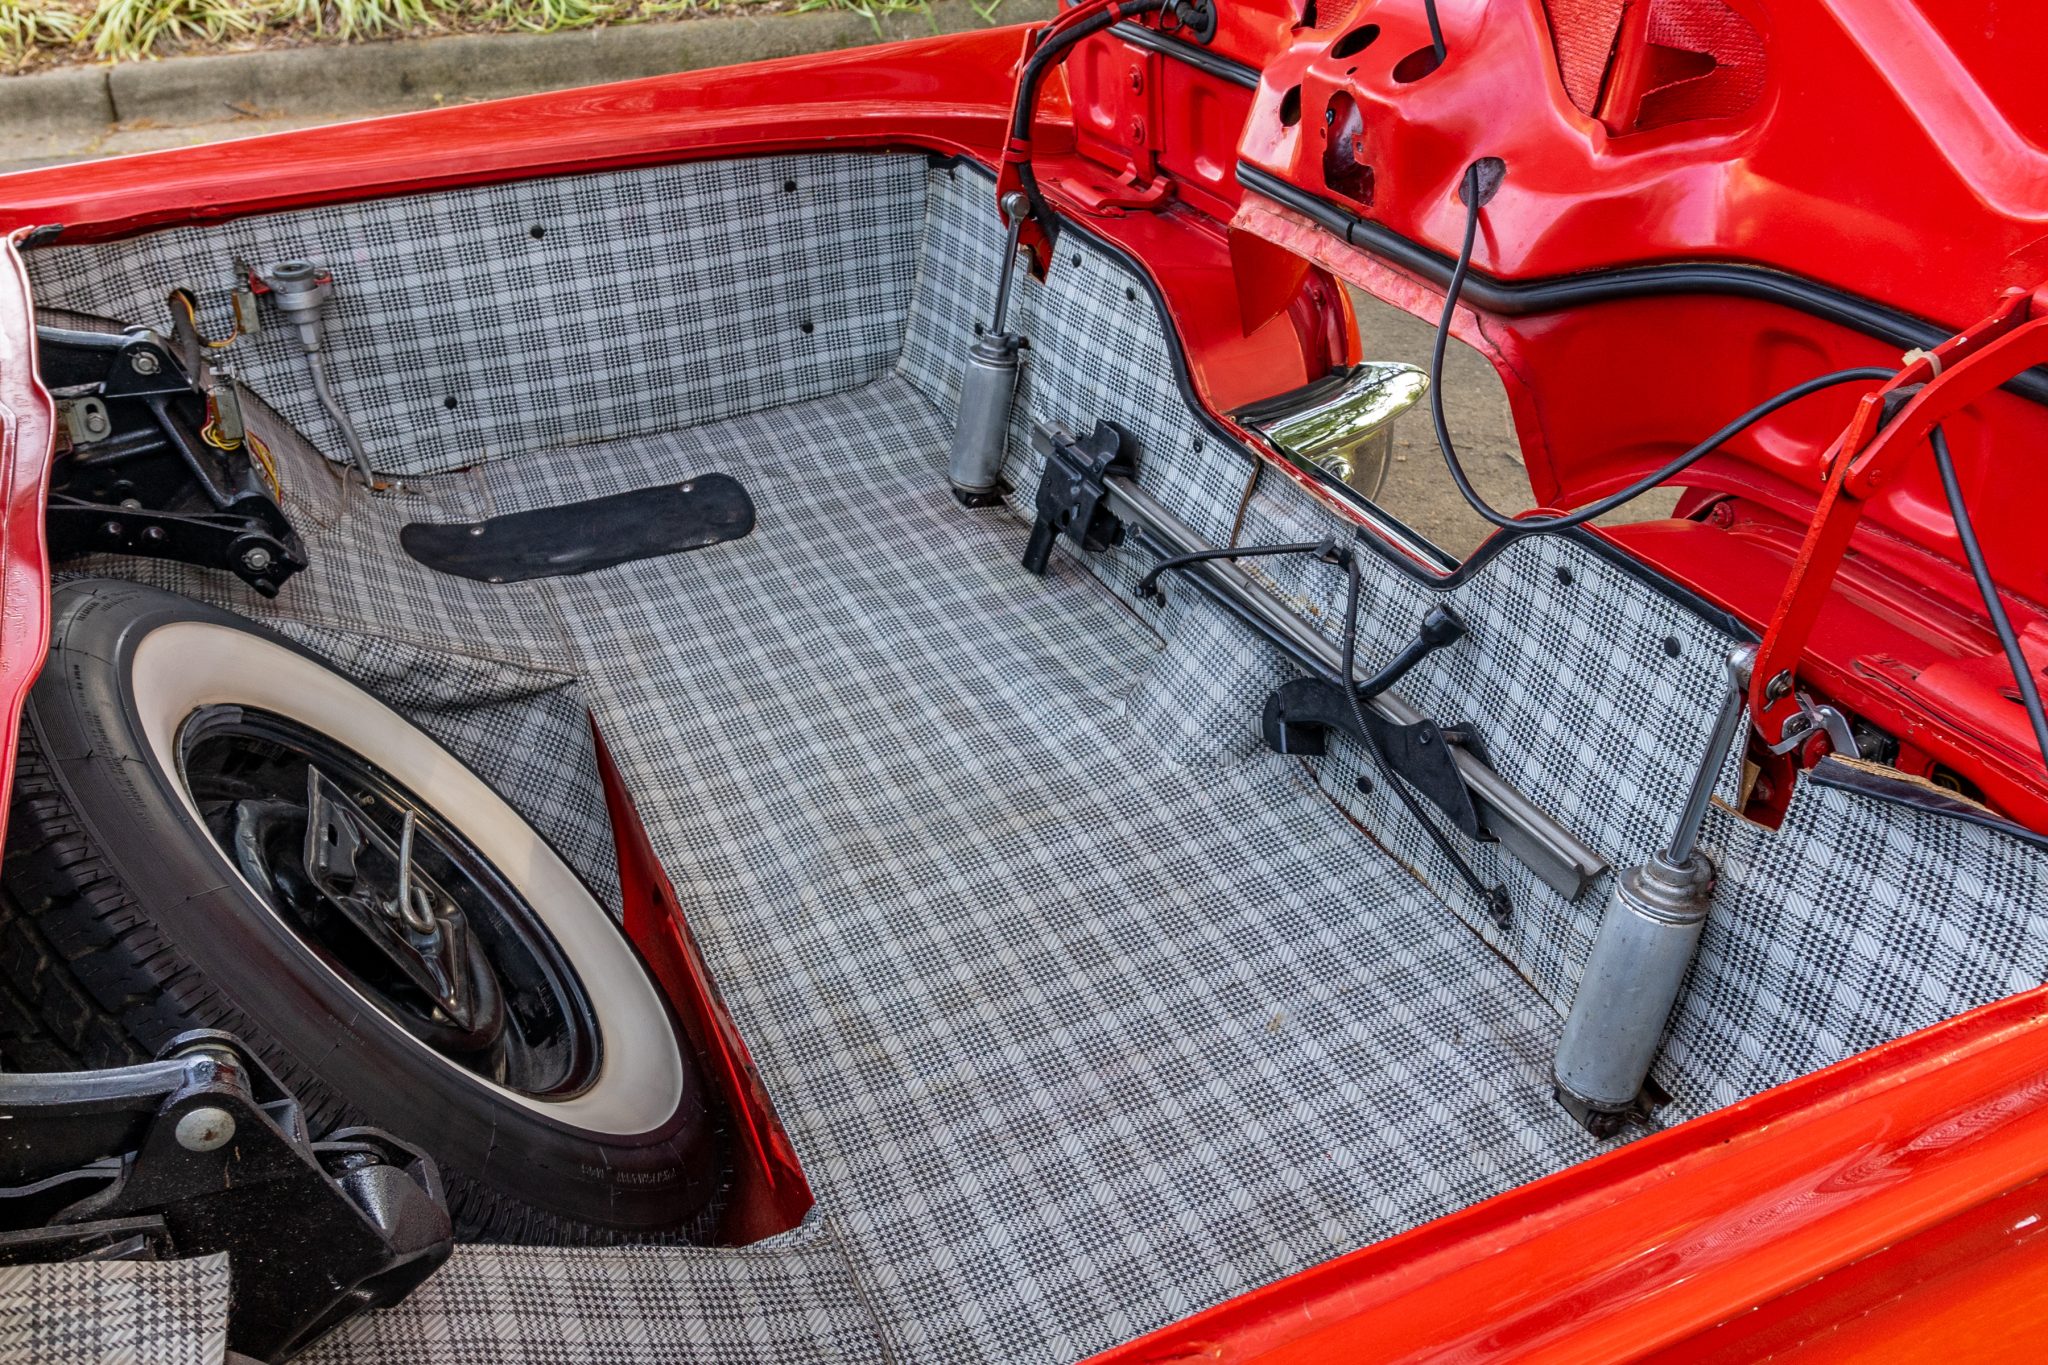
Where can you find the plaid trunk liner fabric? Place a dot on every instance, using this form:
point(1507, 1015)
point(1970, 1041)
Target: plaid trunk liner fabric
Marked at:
point(1083, 1011)
point(1073, 1037)
point(115, 1313)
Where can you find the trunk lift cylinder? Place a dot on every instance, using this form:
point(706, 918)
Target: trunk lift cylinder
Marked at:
point(1644, 949)
point(987, 386)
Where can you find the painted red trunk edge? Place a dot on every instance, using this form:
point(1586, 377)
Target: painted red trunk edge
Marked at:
point(27, 418)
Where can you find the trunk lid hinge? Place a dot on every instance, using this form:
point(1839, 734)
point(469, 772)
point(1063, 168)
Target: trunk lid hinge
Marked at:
point(1891, 425)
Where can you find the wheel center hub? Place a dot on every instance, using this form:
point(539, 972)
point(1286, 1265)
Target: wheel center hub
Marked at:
point(394, 898)
point(374, 882)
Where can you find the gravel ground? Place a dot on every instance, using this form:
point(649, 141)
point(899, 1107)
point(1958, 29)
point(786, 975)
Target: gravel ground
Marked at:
point(1419, 489)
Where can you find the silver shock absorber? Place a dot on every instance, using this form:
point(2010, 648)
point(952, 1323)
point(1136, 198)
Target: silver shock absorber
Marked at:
point(1645, 946)
point(988, 385)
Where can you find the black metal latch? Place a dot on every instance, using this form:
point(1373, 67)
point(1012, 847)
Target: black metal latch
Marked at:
point(204, 1151)
point(1300, 713)
point(1072, 490)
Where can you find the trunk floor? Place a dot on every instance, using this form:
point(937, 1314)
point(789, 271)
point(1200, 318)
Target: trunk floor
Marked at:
point(1073, 1038)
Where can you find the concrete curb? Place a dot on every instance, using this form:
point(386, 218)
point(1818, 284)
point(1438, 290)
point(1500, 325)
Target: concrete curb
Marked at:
point(76, 100)
point(79, 105)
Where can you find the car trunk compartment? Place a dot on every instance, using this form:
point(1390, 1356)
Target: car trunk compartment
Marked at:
point(1081, 1008)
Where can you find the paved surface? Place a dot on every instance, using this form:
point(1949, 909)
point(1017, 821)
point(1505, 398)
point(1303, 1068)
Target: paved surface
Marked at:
point(1419, 489)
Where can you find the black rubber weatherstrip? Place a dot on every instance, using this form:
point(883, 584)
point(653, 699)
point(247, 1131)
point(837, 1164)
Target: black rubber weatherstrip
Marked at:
point(1899, 789)
point(578, 537)
point(1201, 58)
point(1520, 298)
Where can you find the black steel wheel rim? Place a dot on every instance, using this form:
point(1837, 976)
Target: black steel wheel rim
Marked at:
point(524, 1022)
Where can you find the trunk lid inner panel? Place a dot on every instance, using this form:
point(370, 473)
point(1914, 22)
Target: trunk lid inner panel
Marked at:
point(1083, 1010)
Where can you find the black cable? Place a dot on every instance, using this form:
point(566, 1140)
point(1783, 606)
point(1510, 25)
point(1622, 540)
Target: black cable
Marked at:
point(1623, 284)
point(2030, 694)
point(1565, 521)
point(1495, 897)
point(1330, 551)
point(1436, 31)
point(1148, 586)
point(1051, 53)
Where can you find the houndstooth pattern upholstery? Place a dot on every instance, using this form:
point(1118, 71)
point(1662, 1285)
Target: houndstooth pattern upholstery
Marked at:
point(1860, 920)
point(792, 1301)
point(1568, 677)
point(115, 1313)
point(1594, 695)
point(1593, 688)
point(1013, 974)
point(1083, 1011)
point(525, 732)
point(472, 324)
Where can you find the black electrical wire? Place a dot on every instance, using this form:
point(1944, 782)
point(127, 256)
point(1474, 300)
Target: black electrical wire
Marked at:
point(1436, 31)
point(2030, 693)
point(1148, 586)
point(1051, 53)
point(1565, 521)
point(1495, 897)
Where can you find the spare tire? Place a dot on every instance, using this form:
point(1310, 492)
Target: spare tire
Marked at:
point(212, 828)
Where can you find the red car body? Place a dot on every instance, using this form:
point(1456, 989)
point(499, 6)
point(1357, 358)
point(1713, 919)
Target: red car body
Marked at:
point(1873, 153)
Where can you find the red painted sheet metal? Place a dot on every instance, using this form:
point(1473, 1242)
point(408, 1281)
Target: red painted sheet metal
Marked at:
point(1779, 1224)
point(1888, 148)
point(27, 425)
point(770, 1193)
point(948, 94)
point(1890, 152)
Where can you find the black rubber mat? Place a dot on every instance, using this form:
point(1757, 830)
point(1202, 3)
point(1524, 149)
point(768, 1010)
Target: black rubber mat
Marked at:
point(577, 537)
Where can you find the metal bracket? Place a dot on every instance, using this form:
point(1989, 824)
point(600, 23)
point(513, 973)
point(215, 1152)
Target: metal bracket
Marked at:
point(1890, 424)
point(158, 464)
point(254, 554)
point(1301, 712)
point(205, 1151)
point(372, 880)
point(1605, 1123)
point(1813, 719)
point(1118, 110)
point(1073, 489)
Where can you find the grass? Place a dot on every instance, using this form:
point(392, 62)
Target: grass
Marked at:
point(30, 26)
point(37, 33)
point(358, 18)
point(134, 28)
point(552, 16)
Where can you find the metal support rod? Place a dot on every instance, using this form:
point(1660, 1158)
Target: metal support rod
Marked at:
point(1560, 858)
point(1685, 834)
point(1019, 208)
point(360, 458)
